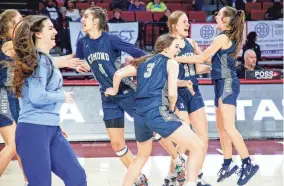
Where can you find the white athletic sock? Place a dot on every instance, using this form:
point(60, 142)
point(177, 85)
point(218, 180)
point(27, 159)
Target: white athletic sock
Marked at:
point(190, 184)
point(200, 172)
point(171, 175)
point(177, 161)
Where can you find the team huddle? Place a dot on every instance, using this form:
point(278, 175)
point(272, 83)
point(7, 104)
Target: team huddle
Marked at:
point(163, 103)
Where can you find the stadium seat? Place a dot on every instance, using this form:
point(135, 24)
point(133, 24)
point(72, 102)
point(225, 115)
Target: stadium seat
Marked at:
point(258, 14)
point(266, 5)
point(59, 5)
point(103, 5)
point(128, 16)
point(197, 16)
point(158, 15)
point(109, 14)
point(81, 6)
point(188, 1)
point(142, 16)
point(252, 6)
point(173, 1)
point(187, 6)
point(40, 6)
point(174, 6)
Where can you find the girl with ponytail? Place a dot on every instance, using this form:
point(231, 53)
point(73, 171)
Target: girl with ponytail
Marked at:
point(155, 102)
point(9, 111)
point(223, 53)
point(38, 83)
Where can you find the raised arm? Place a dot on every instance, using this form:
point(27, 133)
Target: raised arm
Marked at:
point(119, 44)
point(127, 71)
point(172, 67)
point(207, 54)
point(200, 68)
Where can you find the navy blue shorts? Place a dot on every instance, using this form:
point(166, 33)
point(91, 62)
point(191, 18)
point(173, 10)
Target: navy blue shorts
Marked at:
point(187, 102)
point(160, 120)
point(9, 107)
point(115, 106)
point(43, 149)
point(228, 90)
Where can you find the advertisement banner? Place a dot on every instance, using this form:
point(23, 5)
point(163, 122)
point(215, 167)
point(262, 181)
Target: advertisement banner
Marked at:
point(204, 34)
point(126, 31)
point(259, 113)
point(270, 37)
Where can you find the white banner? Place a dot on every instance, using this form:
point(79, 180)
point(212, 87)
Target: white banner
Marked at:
point(126, 31)
point(204, 34)
point(270, 37)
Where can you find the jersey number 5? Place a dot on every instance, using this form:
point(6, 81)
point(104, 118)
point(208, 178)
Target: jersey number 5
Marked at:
point(148, 73)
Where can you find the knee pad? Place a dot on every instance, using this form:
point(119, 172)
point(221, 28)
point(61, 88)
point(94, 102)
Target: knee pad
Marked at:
point(122, 152)
point(156, 137)
point(115, 123)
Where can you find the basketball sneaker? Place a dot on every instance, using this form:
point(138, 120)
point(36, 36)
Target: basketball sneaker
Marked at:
point(227, 171)
point(246, 173)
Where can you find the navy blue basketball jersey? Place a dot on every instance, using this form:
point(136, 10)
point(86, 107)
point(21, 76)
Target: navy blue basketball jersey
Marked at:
point(5, 77)
point(223, 64)
point(187, 71)
point(102, 53)
point(152, 84)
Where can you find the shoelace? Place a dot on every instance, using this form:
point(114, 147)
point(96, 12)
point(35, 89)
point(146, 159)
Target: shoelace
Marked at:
point(240, 172)
point(223, 169)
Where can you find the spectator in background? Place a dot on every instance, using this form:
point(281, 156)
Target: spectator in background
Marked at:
point(198, 4)
point(92, 4)
point(81, 15)
point(240, 4)
point(116, 17)
point(66, 42)
point(250, 64)
point(50, 10)
point(156, 6)
point(164, 19)
point(211, 18)
point(251, 44)
point(275, 12)
point(120, 4)
point(136, 5)
point(71, 11)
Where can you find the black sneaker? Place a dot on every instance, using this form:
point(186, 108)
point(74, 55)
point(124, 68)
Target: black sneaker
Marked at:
point(246, 173)
point(227, 171)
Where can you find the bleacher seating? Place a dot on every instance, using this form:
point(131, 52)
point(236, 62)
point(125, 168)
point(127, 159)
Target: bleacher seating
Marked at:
point(258, 14)
point(197, 16)
point(82, 6)
point(128, 16)
point(252, 6)
point(266, 5)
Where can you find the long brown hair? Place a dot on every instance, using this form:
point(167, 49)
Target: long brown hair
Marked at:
point(236, 23)
point(163, 42)
point(7, 17)
point(101, 14)
point(24, 46)
point(173, 19)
